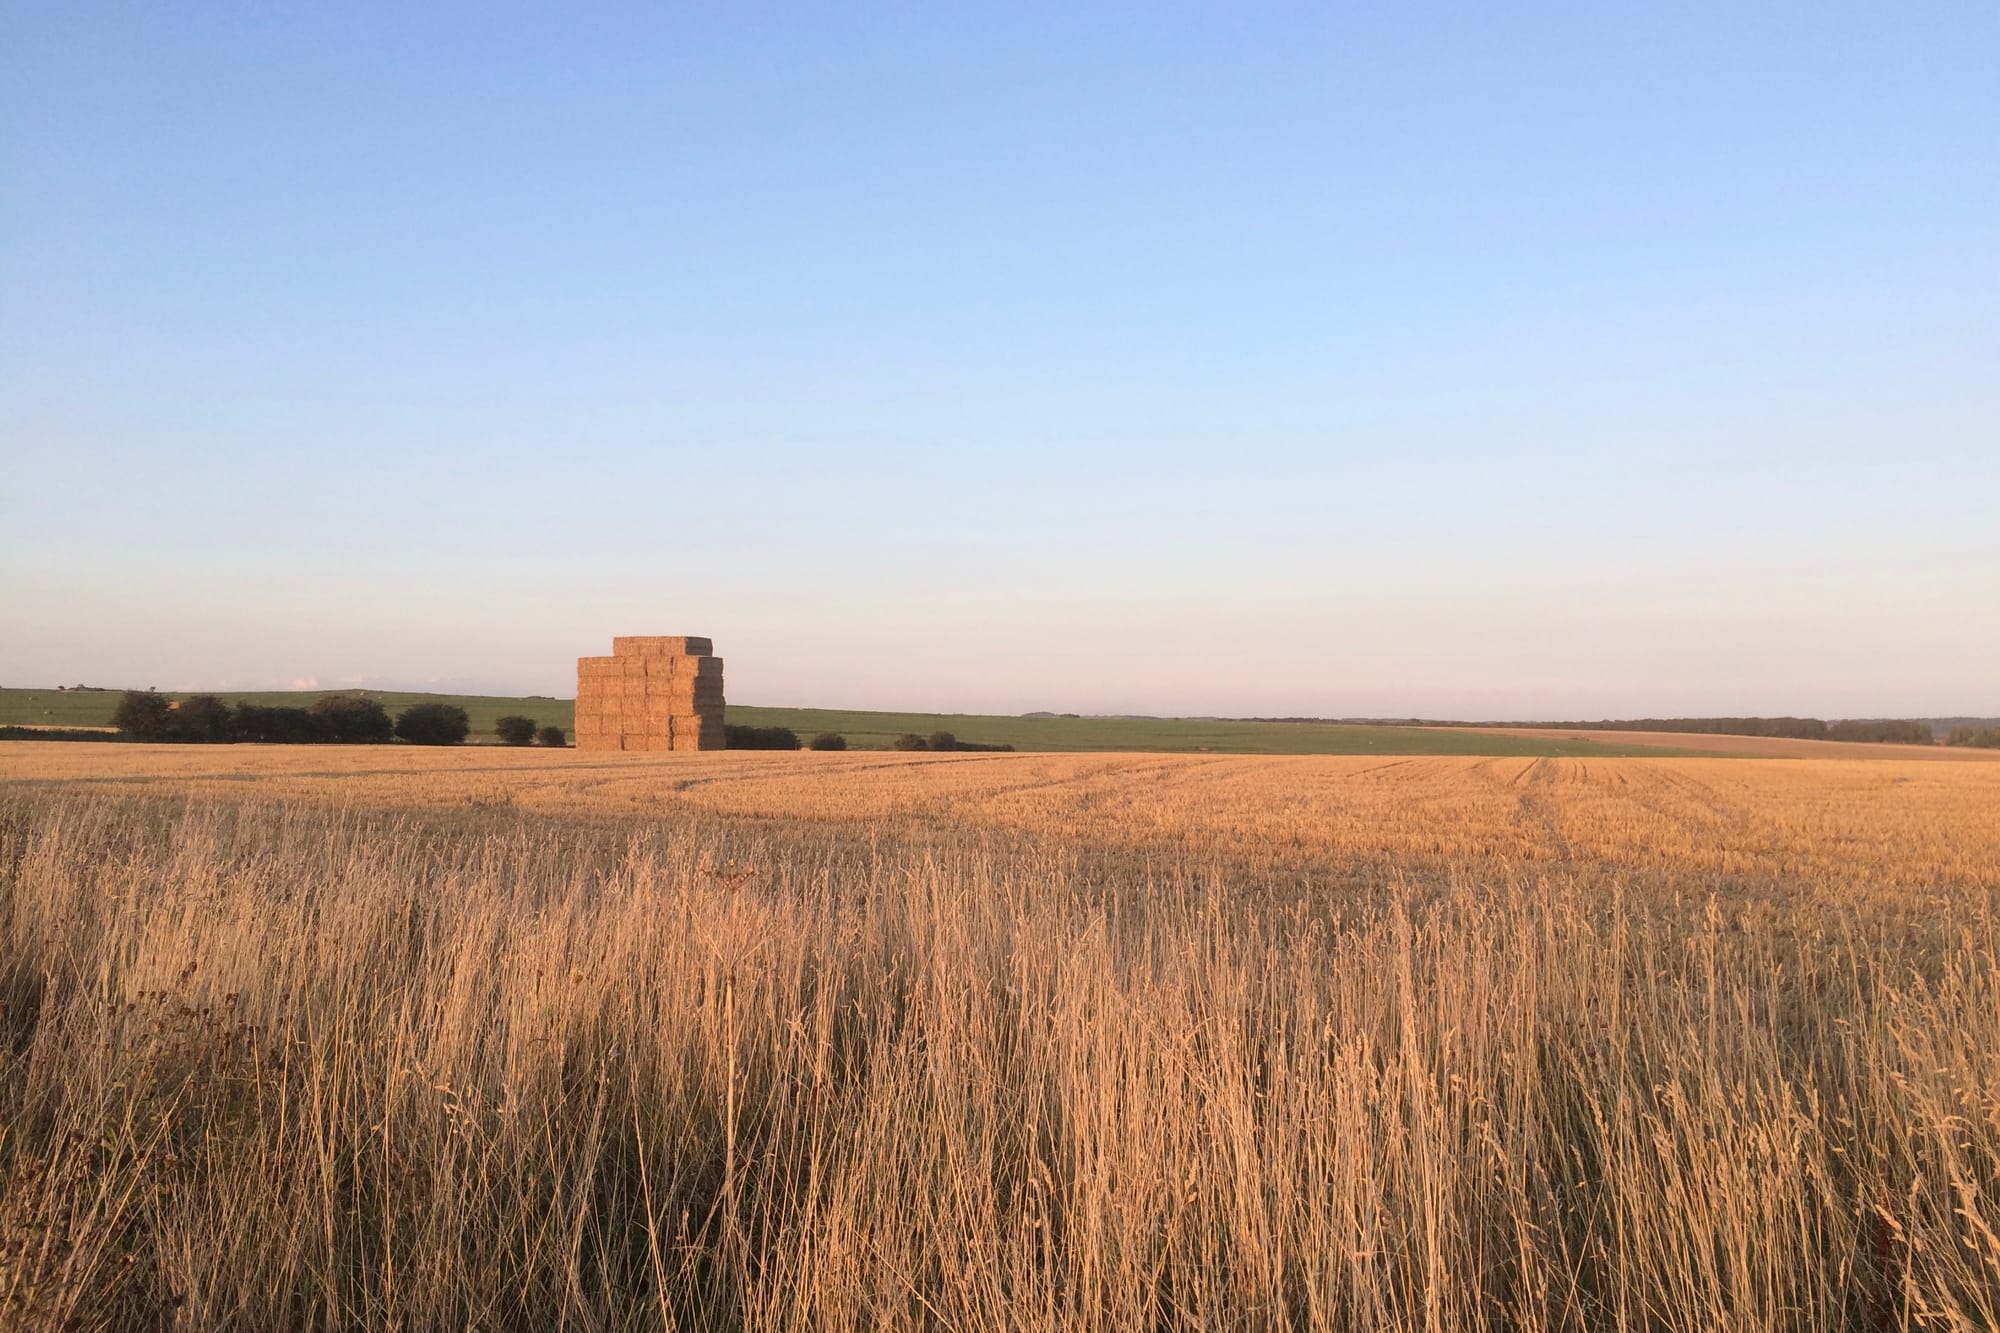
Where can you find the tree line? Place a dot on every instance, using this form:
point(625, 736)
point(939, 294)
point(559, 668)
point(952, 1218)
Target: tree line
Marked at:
point(332, 719)
point(352, 719)
point(942, 740)
point(1884, 730)
point(784, 738)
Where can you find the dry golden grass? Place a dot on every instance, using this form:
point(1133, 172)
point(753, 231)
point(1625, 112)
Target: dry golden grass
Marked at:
point(417, 1039)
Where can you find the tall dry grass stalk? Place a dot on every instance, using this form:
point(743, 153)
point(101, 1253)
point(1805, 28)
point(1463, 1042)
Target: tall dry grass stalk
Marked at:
point(270, 1067)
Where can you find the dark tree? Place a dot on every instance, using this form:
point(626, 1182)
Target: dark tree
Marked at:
point(759, 738)
point(909, 740)
point(515, 729)
point(202, 718)
point(278, 726)
point(828, 740)
point(433, 724)
point(143, 715)
point(943, 740)
point(353, 719)
point(551, 736)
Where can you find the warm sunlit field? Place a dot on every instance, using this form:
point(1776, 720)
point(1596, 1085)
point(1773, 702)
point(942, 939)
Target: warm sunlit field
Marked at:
point(350, 1037)
point(1761, 747)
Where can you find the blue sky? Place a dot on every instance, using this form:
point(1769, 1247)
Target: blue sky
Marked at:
point(1475, 361)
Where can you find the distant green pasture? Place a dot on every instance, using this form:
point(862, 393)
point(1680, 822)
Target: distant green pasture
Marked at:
point(874, 731)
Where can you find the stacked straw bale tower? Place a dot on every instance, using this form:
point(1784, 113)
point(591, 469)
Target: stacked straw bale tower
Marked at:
point(652, 693)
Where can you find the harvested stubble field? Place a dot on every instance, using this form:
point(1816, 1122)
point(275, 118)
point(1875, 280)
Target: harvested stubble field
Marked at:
point(1764, 747)
point(392, 1039)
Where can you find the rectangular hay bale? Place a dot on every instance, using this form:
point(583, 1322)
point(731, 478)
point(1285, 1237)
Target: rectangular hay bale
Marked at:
point(685, 696)
point(661, 645)
point(678, 668)
point(702, 732)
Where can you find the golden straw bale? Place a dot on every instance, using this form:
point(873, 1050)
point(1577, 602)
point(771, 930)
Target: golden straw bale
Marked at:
point(698, 733)
point(684, 699)
point(678, 668)
point(661, 645)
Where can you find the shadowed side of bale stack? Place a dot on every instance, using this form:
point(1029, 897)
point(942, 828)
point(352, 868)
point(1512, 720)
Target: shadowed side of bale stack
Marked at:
point(655, 692)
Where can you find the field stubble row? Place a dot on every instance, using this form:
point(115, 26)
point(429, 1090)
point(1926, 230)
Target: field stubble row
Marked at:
point(1806, 826)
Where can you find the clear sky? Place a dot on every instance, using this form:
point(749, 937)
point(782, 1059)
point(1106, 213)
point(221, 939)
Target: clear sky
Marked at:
point(1477, 361)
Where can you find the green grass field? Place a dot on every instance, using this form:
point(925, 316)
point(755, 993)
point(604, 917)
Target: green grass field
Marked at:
point(874, 731)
